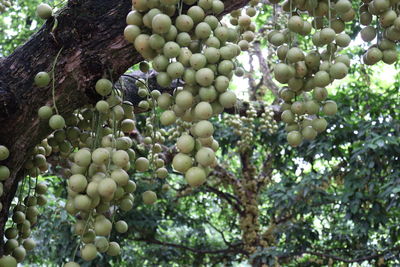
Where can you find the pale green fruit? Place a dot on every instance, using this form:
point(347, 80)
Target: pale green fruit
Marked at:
point(82, 202)
point(102, 227)
point(161, 23)
point(168, 117)
point(204, 129)
point(107, 187)
point(204, 77)
point(88, 252)
point(120, 158)
point(8, 261)
point(83, 157)
point(130, 33)
point(45, 112)
point(44, 11)
point(4, 173)
point(161, 173)
point(182, 162)
point(184, 99)
point(120, 176)
point(205, 156)
point(121, 226)
point(113, 249)
point(56, 122)
point(77, 183)
point(103, 87)
point(185, 143)
point(101, 244)
point(142, 164)
point(294, 138)
point(195, 176)
point(203, 110)
point(100, 156)
point(330, 108)
point(227, 99)
point(149, 197)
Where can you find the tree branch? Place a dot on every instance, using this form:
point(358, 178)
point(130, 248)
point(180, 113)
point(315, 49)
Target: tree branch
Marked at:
point(235, 248)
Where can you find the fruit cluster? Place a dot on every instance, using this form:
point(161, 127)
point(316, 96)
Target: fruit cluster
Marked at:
point(308, 73)
point(185, 41)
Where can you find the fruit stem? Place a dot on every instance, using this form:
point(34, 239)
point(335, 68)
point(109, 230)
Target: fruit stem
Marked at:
point(53, 79)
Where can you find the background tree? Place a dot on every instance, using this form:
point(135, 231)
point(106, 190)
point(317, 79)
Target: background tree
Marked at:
point(331, 200)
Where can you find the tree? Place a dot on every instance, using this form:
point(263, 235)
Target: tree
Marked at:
point(77, 58)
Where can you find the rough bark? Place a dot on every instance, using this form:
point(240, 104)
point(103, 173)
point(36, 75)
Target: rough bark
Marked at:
point(90, 34)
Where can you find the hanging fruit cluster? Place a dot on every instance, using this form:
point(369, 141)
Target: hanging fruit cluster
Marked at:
point(308, 73)
point(246, 128)
point(386, 30)
point(188, 42)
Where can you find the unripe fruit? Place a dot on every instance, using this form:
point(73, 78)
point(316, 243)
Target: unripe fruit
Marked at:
point(29, 244)
point(161, 173)
point(19, 254)
point(319, 124)
point(4, 173)
point(309, 133)
point(195, 176)
point(101, 244)
point(120, 158)
point(184, 99)
point(107, 187)
point(56, 122)
point(205, 77)
point(227, 99)
point(167, 118)
point(113, 249)
point(120, 176)
point(171, 49)
point(121, 226)
point(8, 261)
point(134, 18)
point(88, 252)
point(204, 129)
point(83, 157)
point(203, 110)
point(103, 87)
point(330, 108)
point(142, 164)
point(175, 70)
point(41, 188)
point(102, 227)
point(202, 30)
point(185, 143)
point(368, 33)
point(294, 138)
point(205, 156)
point(130, 33)
point(196, 13)
point(184, 23)
point(182, 162)
point(77, 183)
point(161, 23)
point(44, 11)
point(82, 202)
point(45, 112)
point(295, 24)
point(4, 152)
point(149, 197)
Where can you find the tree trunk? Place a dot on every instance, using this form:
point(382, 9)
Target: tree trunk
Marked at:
point(90, 34)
